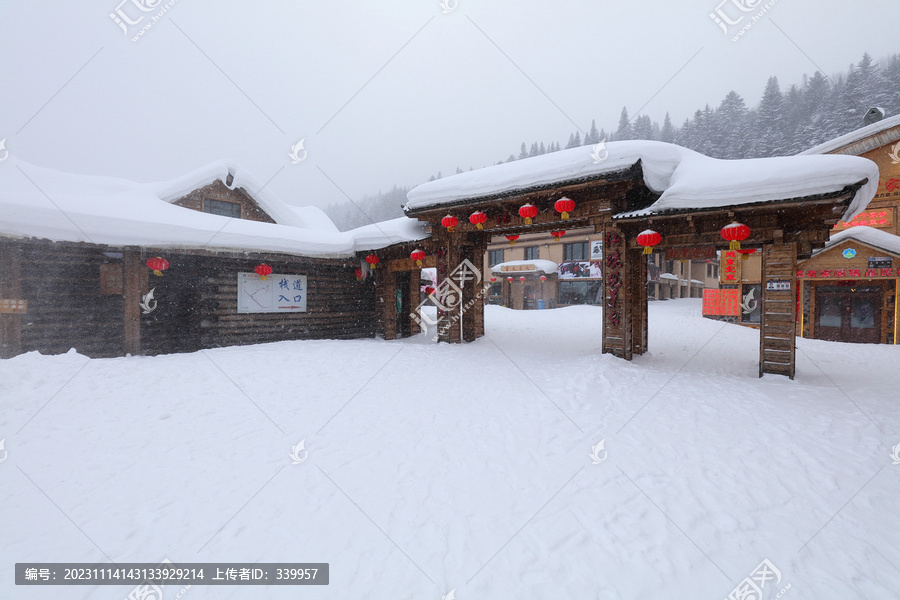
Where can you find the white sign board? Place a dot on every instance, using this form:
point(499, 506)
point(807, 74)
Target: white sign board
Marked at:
point(596, 249)
point(278, 293)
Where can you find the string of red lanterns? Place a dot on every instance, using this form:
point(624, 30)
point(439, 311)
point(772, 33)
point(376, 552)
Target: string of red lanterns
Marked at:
point(158, 264)
point(478, 219)
point(263, 270)
point(564, 206)
point(512, 239)
point(557, 234)
point(735, 233)
point(450, 222)
point(528, 212)
point(418, 256)
point(648, 238)
point(372, 260)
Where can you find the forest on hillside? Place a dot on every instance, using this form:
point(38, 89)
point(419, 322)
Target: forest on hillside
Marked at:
point(785, 122)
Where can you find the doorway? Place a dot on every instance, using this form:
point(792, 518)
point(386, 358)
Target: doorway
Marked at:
point(845, 314)
point(404, 304)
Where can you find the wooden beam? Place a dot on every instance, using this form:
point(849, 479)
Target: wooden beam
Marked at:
point(10, 288)
point(135, 284)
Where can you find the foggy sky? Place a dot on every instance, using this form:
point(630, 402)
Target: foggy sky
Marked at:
point(384, 92)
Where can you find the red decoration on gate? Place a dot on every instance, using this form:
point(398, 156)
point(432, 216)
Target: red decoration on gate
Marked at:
point(478, 219)
point(512, 239)
point(735, 233)
point(509, 279)
point(564, 206)
point(158, 264)
point(359, 274)
point(745, 254)
point(418, 256)
point(429, 290)
point(648, 238)
point(522, 278)
point(262, 270)
point(450, 222)
point(543, 278)
point(528, 212)
point(493, 280)
point(372, 260)
point(557, 234)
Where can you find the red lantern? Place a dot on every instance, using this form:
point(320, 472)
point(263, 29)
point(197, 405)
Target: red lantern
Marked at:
point(648, 238)
point(564, 206)
point(557, 234)
point(418, 256)
point(478, 219)
point(429, 290)
point(450, 222)
point(543, 278)
point(262, 270)
point(493, 280)
point(512, 239)
point(509, 279)
point(373, 260)
point(735, 233)
point(158, 264)
point(522, 278)
point(745, 254)
point(359, 274)
point(528, 212)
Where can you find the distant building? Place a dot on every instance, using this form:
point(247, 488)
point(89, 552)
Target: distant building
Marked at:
point(572, 266)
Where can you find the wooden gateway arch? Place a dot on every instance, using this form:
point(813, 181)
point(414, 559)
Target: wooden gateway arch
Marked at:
point(618, 202)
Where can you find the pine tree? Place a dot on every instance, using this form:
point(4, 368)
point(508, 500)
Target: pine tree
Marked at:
point(534, 149)
point(577, 139)
point(571, 143)
point(542, 149)
point(731, 135)
point(643, 128)
point(524, 152)
point(624, 131)
point(592, 136)
point(667, 133)
point(769, 136)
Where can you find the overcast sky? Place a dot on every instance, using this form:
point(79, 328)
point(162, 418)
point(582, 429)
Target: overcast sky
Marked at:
point(384, 92)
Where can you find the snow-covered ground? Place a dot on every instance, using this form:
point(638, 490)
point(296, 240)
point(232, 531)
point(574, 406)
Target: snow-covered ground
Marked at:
point(434, 468)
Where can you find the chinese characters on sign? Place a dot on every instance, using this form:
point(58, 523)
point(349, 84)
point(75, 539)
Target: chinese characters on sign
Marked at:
point(731, 267)
point(278, 293)
point(873, 218)
point(722, 302)
point(613, 247)
point(846, 273)
point(516, 268)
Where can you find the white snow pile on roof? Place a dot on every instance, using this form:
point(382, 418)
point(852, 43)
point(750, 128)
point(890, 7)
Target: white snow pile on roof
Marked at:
point(385, 233)
point(685, 179)
point(43, 203)
point(854, 136)
point(668, 276)
point(539, 265)
point(866, 235)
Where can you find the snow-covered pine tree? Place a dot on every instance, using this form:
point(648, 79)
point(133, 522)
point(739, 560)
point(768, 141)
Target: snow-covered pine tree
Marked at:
point(624, 131)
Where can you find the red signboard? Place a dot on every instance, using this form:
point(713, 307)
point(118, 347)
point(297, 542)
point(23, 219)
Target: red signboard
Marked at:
point(691, 253)
point(722, 302)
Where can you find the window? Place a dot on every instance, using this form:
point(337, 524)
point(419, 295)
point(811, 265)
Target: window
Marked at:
point(670, 267)
point(532, 253)
point(220, 207)
point(579, 292)
point(495, 257)
point(576, 251)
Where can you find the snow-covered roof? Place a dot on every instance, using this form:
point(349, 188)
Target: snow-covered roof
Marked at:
point(43, 203)
point(881, 240)
point(860, 134)
point(668, 276)
point(538, 265)
point(685, 179)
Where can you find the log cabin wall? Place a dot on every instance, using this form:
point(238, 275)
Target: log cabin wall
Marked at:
point(217, 191)
point(66, 309)
point(76, 299)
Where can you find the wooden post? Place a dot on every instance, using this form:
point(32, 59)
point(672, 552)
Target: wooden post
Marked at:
point(618, 288)
point(10, 288)
point(134, 284)
point(778, 312)
point(449, 258)
point(637, 276)
point(415, 285)
point(473, 295)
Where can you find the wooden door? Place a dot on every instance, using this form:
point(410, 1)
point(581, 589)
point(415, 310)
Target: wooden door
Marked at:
point(849, 315)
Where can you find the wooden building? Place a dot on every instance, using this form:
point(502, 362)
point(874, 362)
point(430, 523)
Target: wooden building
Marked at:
point(847, 291)
point(74, 270)
point(789, 205)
